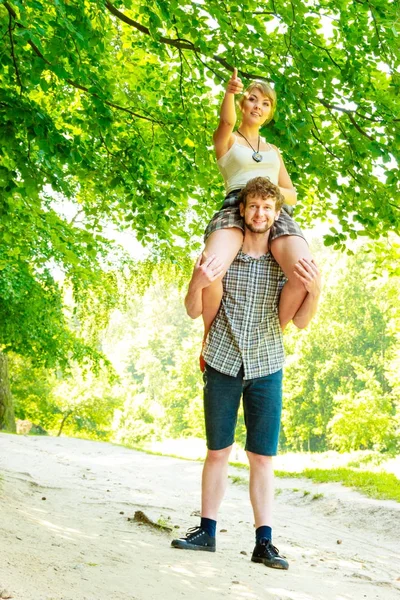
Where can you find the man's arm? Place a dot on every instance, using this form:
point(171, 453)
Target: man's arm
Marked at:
point(308, 273)
point(203, 275)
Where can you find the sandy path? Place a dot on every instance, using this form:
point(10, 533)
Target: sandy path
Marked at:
point(63, 536)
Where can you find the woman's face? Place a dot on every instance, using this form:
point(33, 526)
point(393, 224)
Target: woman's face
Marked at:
point(256, 108)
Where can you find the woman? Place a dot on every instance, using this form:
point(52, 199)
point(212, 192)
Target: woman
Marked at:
point(242, 155)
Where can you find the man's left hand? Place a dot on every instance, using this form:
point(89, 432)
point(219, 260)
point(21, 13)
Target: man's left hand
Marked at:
point(308, 273)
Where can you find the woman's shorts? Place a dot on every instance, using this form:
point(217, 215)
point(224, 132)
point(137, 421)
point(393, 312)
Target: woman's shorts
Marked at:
point(229, 216)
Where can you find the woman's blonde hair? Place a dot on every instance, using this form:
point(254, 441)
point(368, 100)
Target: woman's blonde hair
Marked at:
point(266, 90)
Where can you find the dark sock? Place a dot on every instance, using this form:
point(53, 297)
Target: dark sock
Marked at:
point(209, 525)
point(263, 532)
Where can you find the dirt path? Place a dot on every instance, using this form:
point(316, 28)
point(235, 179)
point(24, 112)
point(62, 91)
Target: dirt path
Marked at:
point(65, 533)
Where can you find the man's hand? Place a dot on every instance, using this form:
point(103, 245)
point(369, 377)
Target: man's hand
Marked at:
point(308, 273)
point(204, 273)
point(235, 85)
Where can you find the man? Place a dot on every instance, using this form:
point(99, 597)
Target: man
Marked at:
point(244, 357)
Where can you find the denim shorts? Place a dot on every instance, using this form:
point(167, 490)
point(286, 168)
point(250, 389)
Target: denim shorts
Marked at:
point(262, 407)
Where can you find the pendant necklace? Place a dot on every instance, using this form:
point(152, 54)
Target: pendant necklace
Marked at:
point(257, 156)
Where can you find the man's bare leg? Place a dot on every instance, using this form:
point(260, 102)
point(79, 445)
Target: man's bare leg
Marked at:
point(214, 481)
point(262, 497)
point(261, 488)
point(213, 486)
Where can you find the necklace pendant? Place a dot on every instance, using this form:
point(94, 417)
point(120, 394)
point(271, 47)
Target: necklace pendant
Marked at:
point(257, 157)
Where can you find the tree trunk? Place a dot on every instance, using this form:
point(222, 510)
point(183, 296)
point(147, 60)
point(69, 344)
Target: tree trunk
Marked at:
point(65, 417)
point(7, 418)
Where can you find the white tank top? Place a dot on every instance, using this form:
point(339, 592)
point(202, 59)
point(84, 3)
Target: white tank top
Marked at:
point(237, 166)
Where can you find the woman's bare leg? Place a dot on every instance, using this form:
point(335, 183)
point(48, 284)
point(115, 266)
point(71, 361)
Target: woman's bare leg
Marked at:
point(287, 250)
point(225, 244)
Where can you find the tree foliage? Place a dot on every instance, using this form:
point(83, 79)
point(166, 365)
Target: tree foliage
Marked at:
point(111, 104)
point(341, 384)
point(106, 114)
point(75, 403)
point(338, 388)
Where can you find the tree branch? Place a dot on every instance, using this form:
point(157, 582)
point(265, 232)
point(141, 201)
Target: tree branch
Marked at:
point(10, 10)
point(112, 153)
point(181, 77)
point(74, 219)
point(356, 125)
point(321, 14)
point(78, 86)
point(369, 118)
point(340, 126)
point(178, 42)
point(328, 53)
point(333, 106)
point(377, 30)
point(322, 144)
point(267, 12)
point(74, 84)
point(209, 68)
point(349, 113)
point(320, 141)
point(10, 30)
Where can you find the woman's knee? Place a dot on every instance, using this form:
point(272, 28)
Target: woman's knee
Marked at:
point(224, 243)
point(291, 247)
point(287, 251)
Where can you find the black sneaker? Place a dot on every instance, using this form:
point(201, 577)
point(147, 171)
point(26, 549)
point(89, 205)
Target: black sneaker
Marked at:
point(266, 553)
point(195, 539)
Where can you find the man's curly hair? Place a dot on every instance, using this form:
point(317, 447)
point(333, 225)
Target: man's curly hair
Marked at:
point(264, 188)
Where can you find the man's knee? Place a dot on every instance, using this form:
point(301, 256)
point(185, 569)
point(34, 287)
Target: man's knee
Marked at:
point(218, 456)
point(259, 460)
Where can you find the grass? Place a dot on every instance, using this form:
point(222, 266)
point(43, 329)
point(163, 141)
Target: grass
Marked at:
point(164, 522)
point(379, 484)
point(157, 453)
point(238, 480)
point(371, 459)
point(307, 493)
point(383, 486)
point(317, 496)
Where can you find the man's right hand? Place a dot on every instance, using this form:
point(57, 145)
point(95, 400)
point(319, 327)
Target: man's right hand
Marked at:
point(235, 85)
point(206, 271)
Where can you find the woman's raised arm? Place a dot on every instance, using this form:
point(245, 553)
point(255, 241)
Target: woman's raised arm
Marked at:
point(223, 137)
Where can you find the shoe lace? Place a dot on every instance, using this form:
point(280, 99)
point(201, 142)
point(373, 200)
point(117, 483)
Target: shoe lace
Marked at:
point(269, 547)
point(193, 530)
